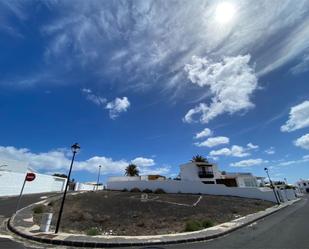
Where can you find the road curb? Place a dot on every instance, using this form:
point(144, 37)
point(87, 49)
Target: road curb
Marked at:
point(125, 241)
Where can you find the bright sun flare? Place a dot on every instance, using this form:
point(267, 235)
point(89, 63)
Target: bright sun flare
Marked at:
point(225, 12)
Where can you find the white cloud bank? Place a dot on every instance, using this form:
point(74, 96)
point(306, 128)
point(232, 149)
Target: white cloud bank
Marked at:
point(303, 142)
point(234, 151)
point(143, 162)
point(213, 141)
point(204, 133)
point(117, 106)
point(59, 161)
point(230, 81)
point(298, 118)
point(249, 162)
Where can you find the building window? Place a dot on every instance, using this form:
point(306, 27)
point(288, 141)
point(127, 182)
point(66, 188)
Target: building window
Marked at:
point(205, 172)
point(305, 184)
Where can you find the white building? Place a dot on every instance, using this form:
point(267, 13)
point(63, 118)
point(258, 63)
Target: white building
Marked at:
point(12, 176)
point(209, 173)
point(204, 178)
point(303, 185)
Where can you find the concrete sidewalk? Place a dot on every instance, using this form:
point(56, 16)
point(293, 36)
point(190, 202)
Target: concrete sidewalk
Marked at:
point(22, 224)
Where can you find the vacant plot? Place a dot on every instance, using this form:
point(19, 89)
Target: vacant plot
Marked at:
point(124, 213)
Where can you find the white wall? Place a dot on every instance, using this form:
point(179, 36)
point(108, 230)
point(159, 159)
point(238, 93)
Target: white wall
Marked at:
point(11, 183)
point(79, 186)
point(125, 178)
point(183, 186)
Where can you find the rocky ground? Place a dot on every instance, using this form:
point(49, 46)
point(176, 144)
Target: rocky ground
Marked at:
point(125, 213)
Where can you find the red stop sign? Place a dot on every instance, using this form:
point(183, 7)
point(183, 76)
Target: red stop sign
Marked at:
point(30, 177)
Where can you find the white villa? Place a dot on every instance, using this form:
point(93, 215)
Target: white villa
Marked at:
point(303, 185)
point(204, 178)
point(209, 173)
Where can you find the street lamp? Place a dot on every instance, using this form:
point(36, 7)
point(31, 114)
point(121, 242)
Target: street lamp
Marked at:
point(75, 148)
point(272, 186)
point(98, 177)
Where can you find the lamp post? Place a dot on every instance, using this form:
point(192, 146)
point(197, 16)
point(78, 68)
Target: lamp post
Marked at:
point(75, 148)
point(286, 181)
point(272, 186)
point(98, 177)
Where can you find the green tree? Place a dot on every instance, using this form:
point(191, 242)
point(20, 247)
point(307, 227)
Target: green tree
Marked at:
point(132, 170)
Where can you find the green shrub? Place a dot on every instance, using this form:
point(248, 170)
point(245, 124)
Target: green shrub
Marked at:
point(124, 190)
point(51, 204)
point(135, 190)
point(193, 225)
point(159, 191)
point(92, 231)
point(147, 190)
point(207, 223)
point(38, 209)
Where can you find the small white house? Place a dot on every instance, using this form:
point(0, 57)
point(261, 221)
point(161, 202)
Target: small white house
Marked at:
point(208, 173)
point(303, 185)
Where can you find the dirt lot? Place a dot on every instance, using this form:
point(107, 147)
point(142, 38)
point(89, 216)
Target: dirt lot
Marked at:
point(124, 213)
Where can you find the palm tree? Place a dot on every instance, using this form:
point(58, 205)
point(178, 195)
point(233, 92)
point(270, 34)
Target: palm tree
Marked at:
point(199, 159)
point(132, 170)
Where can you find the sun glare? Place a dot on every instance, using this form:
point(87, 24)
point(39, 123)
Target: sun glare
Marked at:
point(225, 12)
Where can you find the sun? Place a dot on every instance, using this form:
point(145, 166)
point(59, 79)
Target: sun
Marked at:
point(225, 12)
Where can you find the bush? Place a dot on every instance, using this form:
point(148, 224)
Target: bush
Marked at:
point(147, 190)
point(92, 231)
point(194, 225)
point(135, 190)
point(124, 190)
point(38, 209)
point(51, 204)
point(207, 223)
point(159, 191)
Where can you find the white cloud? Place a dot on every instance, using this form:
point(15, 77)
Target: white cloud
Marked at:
point(164, 170)
point(298, 118)
point(302, 67)
point(302, 142)
point(98, 100)
point(252, 146)
point(59, 161)
point(213, 141)
point(137, 39)
point(304, 159)
point(230, 81)
point(204, 133)
point(248, 163)
point(117, 106)
point(235, 151)
point(143, 162)
point(270, 151)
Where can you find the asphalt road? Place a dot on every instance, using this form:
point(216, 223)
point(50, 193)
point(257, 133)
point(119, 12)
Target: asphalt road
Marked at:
point(286, 229)
point(7, 208)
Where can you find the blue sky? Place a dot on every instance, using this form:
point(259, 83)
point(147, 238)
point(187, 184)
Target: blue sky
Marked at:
point(154, 83)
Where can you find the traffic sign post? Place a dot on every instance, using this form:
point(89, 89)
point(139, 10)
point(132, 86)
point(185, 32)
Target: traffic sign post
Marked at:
point(29, 178)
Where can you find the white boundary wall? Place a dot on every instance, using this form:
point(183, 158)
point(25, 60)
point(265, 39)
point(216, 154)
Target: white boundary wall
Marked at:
point(87, 187)
point(194, 187)
point(11, 183)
